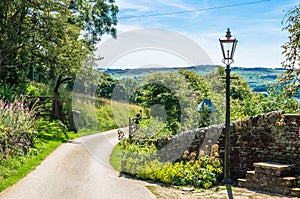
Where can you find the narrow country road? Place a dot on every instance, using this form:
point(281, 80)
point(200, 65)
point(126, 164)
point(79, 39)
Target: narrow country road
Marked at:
point(79, 169)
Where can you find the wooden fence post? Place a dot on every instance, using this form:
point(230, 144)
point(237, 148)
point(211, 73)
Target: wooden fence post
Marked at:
point(130, 129)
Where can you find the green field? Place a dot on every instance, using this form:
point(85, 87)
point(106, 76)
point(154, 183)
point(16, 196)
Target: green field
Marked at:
point(257, 78)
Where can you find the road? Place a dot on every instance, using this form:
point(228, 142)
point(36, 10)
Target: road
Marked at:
point(79, 169)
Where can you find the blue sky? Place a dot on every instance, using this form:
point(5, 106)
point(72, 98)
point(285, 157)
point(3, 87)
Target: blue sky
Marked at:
point(257, 26)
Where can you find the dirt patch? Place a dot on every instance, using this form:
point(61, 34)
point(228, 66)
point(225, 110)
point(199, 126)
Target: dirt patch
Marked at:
point(220, 192)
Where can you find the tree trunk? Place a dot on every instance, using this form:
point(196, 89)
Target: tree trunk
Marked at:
point(58, 104)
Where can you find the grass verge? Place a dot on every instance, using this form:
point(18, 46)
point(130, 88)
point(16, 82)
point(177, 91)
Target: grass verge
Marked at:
point(14, 169)
point(17, 172)
point(116, 157)
point(153, 191)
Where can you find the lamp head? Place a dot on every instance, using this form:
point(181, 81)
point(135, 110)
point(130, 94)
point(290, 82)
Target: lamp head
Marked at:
point(228, 45)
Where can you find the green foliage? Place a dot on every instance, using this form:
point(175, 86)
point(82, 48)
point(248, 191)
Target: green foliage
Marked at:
point(179, 94)
point(17, 129)
point(126, 90)
point(51, 130)
point(105, 118)
point(291, 52)
point(152, 128)
point(95, 18)
point(12, 169)
point(101, 114)
point(37, 89)
point(200, 173)
point(116, 157)
point(142, 162)
point(86, 105)
point(171, 91)
point(197, 83)
point(106, 86)
point(11, 92)
point(55, 38)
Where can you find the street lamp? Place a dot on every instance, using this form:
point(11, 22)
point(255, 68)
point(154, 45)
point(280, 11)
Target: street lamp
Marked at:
point(228, 45)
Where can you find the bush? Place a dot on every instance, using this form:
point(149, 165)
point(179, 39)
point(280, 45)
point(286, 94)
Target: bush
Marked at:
point(141, 161)
point(37, 89)
point(51, 130)
point(152, 128)
point(17, 129)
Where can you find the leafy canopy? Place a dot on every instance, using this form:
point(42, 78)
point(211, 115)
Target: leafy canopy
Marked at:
point(54, 36)
point(291, 52)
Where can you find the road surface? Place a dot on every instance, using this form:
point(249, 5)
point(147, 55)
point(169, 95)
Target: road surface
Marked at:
point(79, 169)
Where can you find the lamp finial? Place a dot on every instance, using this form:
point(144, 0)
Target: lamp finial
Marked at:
point(228, 33)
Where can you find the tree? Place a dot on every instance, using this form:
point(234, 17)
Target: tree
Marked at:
point(94, 17)
point(171, 92)
point(291, 51)
point(54, 36)
point(106, 86)
point(196, 82)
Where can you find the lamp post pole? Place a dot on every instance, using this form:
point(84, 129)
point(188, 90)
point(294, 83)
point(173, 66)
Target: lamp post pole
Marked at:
point(227, 126)
point(228, 45)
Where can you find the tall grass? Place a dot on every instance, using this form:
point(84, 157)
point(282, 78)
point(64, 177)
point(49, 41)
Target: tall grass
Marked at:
point(103, 114)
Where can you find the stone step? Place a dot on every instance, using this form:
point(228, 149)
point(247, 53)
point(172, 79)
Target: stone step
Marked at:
point(242, 182)
point(266, 181)
point(289, 182)
point(273, 169)
point(281, 185)
point(295, 192)
point(250, 175)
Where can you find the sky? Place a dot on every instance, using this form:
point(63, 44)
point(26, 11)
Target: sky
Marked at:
point(257, 24)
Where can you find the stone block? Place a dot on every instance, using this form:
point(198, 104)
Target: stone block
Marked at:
point(274, 169)
point(242, 182)
point(295, 192)
point(289, 182)
point(250, 175)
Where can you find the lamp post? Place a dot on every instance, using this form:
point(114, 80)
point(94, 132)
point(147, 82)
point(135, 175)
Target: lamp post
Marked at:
point(228, 45)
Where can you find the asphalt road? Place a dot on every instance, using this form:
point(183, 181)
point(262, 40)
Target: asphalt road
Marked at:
point(79, 169)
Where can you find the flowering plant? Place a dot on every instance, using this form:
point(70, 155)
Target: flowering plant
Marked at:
point(17, 128)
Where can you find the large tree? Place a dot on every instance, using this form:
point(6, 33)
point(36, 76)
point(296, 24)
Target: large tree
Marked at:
point(54, 36)
point(291, 51)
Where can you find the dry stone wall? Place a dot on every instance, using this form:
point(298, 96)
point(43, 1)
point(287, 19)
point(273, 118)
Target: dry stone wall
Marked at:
point(271, 137)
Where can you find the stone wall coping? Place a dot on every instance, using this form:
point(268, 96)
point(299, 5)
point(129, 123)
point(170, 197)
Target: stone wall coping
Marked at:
point(251, 172)
point(273, 165)
point(291, 115)
point(289, 178)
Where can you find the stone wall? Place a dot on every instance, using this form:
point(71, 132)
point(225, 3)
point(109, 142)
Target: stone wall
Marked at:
point(198, 140)
point(271, 137)
point(267, 137)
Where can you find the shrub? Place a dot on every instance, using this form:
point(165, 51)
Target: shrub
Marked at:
point(141, 161)
point(152, 128)
point(17, 129)
point(37, 89)
point(51, 130)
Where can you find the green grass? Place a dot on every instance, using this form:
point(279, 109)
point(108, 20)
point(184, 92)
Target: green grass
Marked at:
point(114, 114)
point(28, 164)
point(103, 114)
point(14, 169)
point(116, 157)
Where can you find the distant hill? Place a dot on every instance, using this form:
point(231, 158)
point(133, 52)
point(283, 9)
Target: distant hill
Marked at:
point(258, 78)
